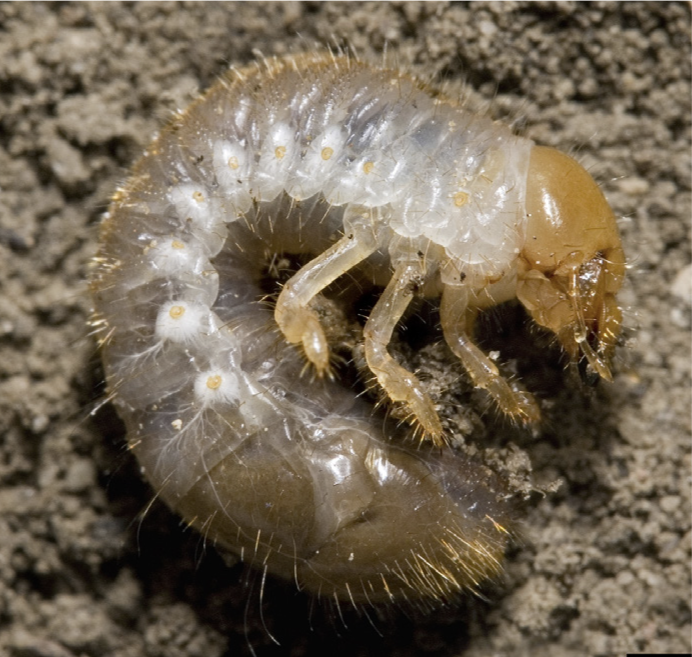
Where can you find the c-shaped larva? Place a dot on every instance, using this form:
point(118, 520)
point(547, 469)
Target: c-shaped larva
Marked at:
point(376, 181)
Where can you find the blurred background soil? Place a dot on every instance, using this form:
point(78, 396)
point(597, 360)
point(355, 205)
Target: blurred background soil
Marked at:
point(91, 564)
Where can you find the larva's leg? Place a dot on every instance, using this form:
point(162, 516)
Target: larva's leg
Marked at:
point(297, 321)
point(457, 320)
point(399, 384)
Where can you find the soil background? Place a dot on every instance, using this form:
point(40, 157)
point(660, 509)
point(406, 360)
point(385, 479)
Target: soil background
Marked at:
point(91, 565)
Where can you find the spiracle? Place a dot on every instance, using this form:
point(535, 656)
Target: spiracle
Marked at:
point(233, 405)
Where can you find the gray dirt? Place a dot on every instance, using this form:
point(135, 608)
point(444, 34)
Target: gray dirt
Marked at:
point(91, 565)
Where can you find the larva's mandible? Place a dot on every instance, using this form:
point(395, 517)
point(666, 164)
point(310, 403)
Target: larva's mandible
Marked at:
point(358, 170)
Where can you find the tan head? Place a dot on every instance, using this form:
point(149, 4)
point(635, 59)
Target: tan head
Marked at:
point(572, 264)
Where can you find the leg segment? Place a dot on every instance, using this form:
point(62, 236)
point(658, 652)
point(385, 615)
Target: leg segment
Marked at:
point(399, 384)
point(297, 321)
point(457, 320)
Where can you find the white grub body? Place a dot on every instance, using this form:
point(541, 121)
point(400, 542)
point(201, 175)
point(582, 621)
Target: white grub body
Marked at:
point(308, 156)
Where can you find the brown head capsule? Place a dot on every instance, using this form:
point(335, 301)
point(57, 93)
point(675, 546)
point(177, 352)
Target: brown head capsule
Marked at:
point(572, 263)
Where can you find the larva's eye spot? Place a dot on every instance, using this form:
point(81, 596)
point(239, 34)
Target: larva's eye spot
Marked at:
point(371, 187)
